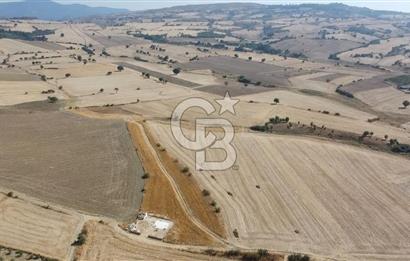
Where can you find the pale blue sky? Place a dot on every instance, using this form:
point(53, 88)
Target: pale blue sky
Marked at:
point(398, 5)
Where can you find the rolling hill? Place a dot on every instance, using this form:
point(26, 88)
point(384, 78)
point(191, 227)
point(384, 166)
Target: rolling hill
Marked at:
point(49, 10)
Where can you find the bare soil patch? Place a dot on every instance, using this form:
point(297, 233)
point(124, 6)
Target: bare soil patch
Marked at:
point(376, 82)
point(318, 49)
point(267, 74)
point(85, 164)
point(156, 74)
point(45, 45)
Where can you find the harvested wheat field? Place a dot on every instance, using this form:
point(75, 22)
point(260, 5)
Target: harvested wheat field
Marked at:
point(305, 102)
point(35, 229)
point(10, 46)
point(105, 243)
point(132, 88)
point(15, 92)
point(76, 69)
point(302, 194)
point(161, 198)
point(388, 99)
point(85, 164)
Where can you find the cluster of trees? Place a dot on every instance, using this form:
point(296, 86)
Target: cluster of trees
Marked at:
point(162, 38)
point(340, 91)
point(36, 35)
point(278, 120)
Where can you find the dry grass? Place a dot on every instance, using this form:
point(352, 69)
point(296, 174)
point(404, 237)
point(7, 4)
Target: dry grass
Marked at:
point(387, 99)
point(15, 92)
point(34, 229)
point(104, 243)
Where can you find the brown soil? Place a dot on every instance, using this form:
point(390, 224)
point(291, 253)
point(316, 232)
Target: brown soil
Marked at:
point(41, 156)
point(191, 191)
point(269, 75)
point(159, 197)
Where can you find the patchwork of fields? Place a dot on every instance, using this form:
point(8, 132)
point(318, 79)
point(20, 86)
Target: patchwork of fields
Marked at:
point(86, 147)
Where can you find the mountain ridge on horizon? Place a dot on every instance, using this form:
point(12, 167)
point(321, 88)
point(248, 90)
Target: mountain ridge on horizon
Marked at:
point(50, 10)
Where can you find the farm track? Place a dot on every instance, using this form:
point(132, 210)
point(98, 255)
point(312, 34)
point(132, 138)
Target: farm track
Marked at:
point(178, 193)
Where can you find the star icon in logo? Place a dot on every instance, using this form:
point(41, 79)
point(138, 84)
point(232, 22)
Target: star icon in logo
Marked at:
point(227, 104)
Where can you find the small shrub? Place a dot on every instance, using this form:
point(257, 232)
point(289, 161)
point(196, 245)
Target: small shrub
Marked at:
point(145, 176)
point(298, 257)
point(210, 252)
point(81, 238)
point(235, 233)
point(176, 71)
point(52, 99)
point(232, 253)
point(250, 257)
point(206, 193)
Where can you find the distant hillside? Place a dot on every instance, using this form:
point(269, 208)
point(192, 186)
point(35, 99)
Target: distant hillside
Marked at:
point(329, 10)
point(49, 10)
point(234, 11)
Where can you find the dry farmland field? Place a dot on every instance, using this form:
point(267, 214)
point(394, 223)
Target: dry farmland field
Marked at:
point(348, 203)
point(104, 243)
point(318, 96)
point(35, 229)
point(268, 75)
point(82, 163)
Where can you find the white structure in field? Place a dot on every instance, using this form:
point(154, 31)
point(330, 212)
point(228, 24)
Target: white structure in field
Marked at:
point(162, 224)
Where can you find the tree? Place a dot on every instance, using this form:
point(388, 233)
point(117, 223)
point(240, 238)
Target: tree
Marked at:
point(406, 103)
point(276, 100)
point(116, 90)
point(62, 35)
point(176, 71)
point(120, 68)
point(263, 60)
point(250, 58)
point(52, 99)
point(101, 90)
